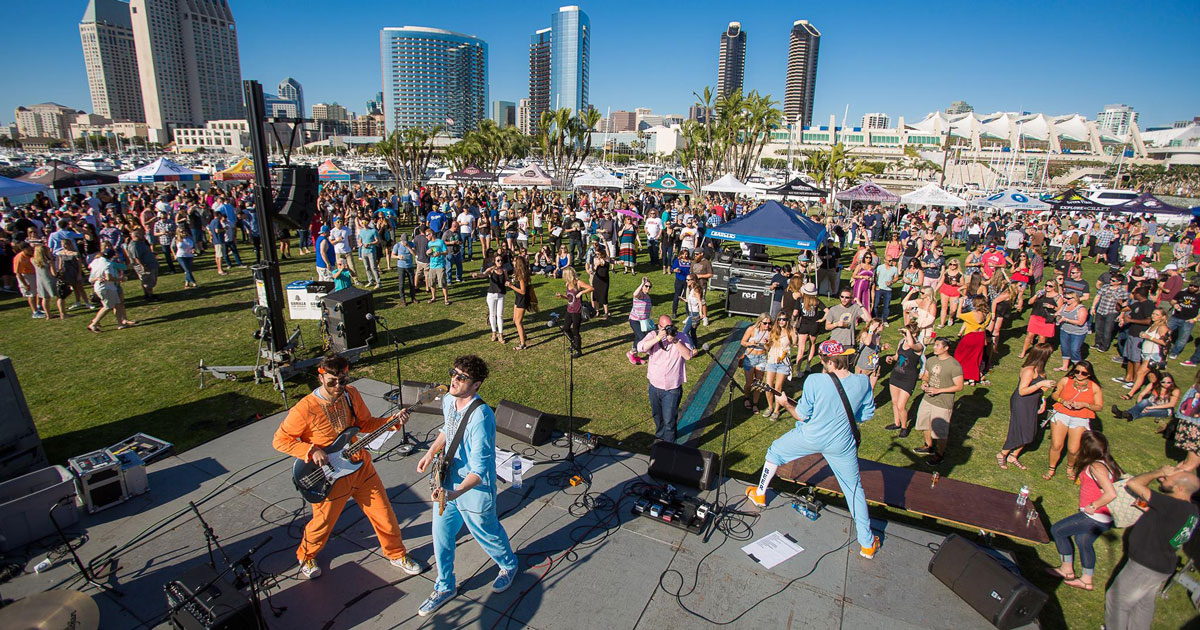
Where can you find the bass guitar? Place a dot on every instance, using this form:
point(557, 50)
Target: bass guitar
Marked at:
point(314, 482)
point(761, 386)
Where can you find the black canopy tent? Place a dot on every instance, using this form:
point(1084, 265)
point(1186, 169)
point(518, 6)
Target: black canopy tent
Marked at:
point(1071, 200)
point(798, 188)
point(57, 174)
point(1147, 203)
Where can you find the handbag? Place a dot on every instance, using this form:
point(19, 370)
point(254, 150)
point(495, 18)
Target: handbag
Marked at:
point(1124, 510)
point(837, 384)
point(646, 325)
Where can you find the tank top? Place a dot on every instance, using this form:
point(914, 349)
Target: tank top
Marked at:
point(1071, 393)
point(574, 304)
point(909, 362)
point(1073, 329)
point(758, 338)
point(778, 352)
point(641, 309)
point(1149, 348)
point(496, 282)
point(562, 261)
point(1090, 492)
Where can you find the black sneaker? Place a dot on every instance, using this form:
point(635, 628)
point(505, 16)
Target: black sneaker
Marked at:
point(892, 427)
point(923, 450)
point(904, 432)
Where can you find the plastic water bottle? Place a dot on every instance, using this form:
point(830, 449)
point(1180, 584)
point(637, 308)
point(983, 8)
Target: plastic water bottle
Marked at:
point(516, 468)
point(1023, 496)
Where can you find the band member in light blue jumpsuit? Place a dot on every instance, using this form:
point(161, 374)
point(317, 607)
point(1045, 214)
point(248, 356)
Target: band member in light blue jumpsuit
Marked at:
point(822, 427)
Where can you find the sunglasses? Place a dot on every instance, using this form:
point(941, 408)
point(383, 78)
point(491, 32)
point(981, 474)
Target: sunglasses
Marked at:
point(846, 297)
point(458, 376)
point(338, 380)
point(1084, 373)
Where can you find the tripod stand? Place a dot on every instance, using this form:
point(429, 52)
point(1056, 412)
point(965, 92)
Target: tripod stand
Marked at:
point(86, 573)
point(408, 444)
point(569, 357)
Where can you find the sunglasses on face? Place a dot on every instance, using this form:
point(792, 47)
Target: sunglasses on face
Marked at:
point(337, 380)
point(846, 297)
point(455, 375)
point(1078, 373)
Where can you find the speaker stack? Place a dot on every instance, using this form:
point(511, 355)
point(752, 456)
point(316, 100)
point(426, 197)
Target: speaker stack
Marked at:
point(523, 423)
point(20, 446)
point(1004, 598)
point(684, 465)
point(297, 200)
point(346, 317)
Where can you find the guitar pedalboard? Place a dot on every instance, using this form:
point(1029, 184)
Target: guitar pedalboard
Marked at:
point(667, 506)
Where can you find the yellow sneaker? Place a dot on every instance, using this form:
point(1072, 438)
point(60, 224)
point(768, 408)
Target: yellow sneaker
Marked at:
point(755, 497)
point(869, 552)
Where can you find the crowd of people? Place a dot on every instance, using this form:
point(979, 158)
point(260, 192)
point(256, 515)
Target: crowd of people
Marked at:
point(882, 266)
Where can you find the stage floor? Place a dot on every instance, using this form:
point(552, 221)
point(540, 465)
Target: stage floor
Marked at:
point(585, 563)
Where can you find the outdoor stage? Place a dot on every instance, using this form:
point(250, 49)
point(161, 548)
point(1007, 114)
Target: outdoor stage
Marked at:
point(606, 562)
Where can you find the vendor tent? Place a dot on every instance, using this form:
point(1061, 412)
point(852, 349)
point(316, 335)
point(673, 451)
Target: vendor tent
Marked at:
point(867, 192)
point(16, 188)
point(472, 173)
point(58, 174)
point(1013, 200)
point(243, 169)
point(329, 172)
point(598, 178)
point(532, 175)
point(669, 183)
point(163, 170)
point(1072, 200)
point(772, 224)
point(1148, 204)
point(932, 195)
point(798, 188)
point(729, 184)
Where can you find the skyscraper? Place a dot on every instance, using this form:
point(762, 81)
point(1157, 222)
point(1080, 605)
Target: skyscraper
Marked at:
point(539, 76)
point(433, 77)
point(188, 65)
point(504, 113)
point(559, 61)
point(375, 105)
point(290, 90)
point(524, 117)
point(876, 120)
point(731, 61)
point(106, 32)
point(801, 73)
point(1117, 119)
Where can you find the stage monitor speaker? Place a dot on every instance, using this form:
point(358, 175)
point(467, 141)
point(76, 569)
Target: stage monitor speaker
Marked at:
point(346, 316)
point(297, 200)
point(524, 423)
point(1004, 598)
point(684, 465)
point(218, 606)
point(20, 447)
point(410, 392)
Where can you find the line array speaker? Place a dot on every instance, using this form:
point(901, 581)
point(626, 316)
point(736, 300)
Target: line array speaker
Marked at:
point(297, 200)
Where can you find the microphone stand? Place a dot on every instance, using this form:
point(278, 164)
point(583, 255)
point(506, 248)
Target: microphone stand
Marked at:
point(723, 507)
point(407, 444)
point(570, 356)
point(210, 537)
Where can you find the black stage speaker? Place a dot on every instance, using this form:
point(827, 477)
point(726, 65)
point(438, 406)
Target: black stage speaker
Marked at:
point(684, 465)
point(345, 313)
point(410, 392)
point(1004, 598)
point(524, 423)
point(297, 200)
point(20, 446)
point(219, 606)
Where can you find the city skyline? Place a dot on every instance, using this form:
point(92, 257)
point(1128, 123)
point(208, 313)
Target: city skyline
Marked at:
point(859, 65)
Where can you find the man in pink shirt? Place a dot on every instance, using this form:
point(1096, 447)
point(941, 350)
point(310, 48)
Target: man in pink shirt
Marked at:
point(992, 260)
point(668, 350)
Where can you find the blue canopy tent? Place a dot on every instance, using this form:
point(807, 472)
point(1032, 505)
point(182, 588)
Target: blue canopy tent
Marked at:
point(772, 224)
point(16, 188)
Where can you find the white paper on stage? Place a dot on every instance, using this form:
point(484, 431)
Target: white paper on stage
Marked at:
point(377, 444)
point(504, 460)
point(772, 549)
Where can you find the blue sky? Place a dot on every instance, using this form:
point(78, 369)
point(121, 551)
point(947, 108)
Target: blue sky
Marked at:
point(900, 58)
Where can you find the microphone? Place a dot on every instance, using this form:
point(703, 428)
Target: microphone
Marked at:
point(370, 317)
point(704, 348)
point(260, 545)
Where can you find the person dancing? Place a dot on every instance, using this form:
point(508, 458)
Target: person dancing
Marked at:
point(823, 427)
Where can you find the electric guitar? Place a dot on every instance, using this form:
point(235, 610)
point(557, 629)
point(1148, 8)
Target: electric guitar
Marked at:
point(762, 386)
point(439, 469)
point(314, 482)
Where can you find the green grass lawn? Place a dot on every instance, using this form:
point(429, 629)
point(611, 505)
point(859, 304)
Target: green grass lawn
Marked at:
point(87, 391)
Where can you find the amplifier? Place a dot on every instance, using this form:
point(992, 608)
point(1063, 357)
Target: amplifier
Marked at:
point(524, 423)
point(345, 313)
point(684, 465)
point(218, 606)
point(410, 391)
point(747, 297)
point(20, 447)
point(1005, 599)
point(98, 480)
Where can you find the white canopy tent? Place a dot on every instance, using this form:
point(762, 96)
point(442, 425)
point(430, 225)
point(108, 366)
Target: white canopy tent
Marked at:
point(163, 170)
point(1013, 200)
point(932, 195)
point(597, 179)
point(729, 184)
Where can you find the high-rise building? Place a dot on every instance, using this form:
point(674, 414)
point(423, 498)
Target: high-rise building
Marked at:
point(524, 117)
point(188, 64)
point(433, 77)
point(1117, 119)
point(329, 111)
point(45, 120)
point(731, 61)
point(876, 121)
point(375, 105)
point(1184, 124)
point(106, 32)
point(801, 82)
point(559, 61)
point(290, 90)
point(959, 107)
point(623, 121)
point(698, 113)
point(504, 113)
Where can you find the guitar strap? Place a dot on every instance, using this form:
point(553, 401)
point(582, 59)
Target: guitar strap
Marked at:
point(448, 454)
point(837, 383)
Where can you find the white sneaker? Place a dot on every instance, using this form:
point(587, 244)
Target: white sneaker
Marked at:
point(309, 569)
